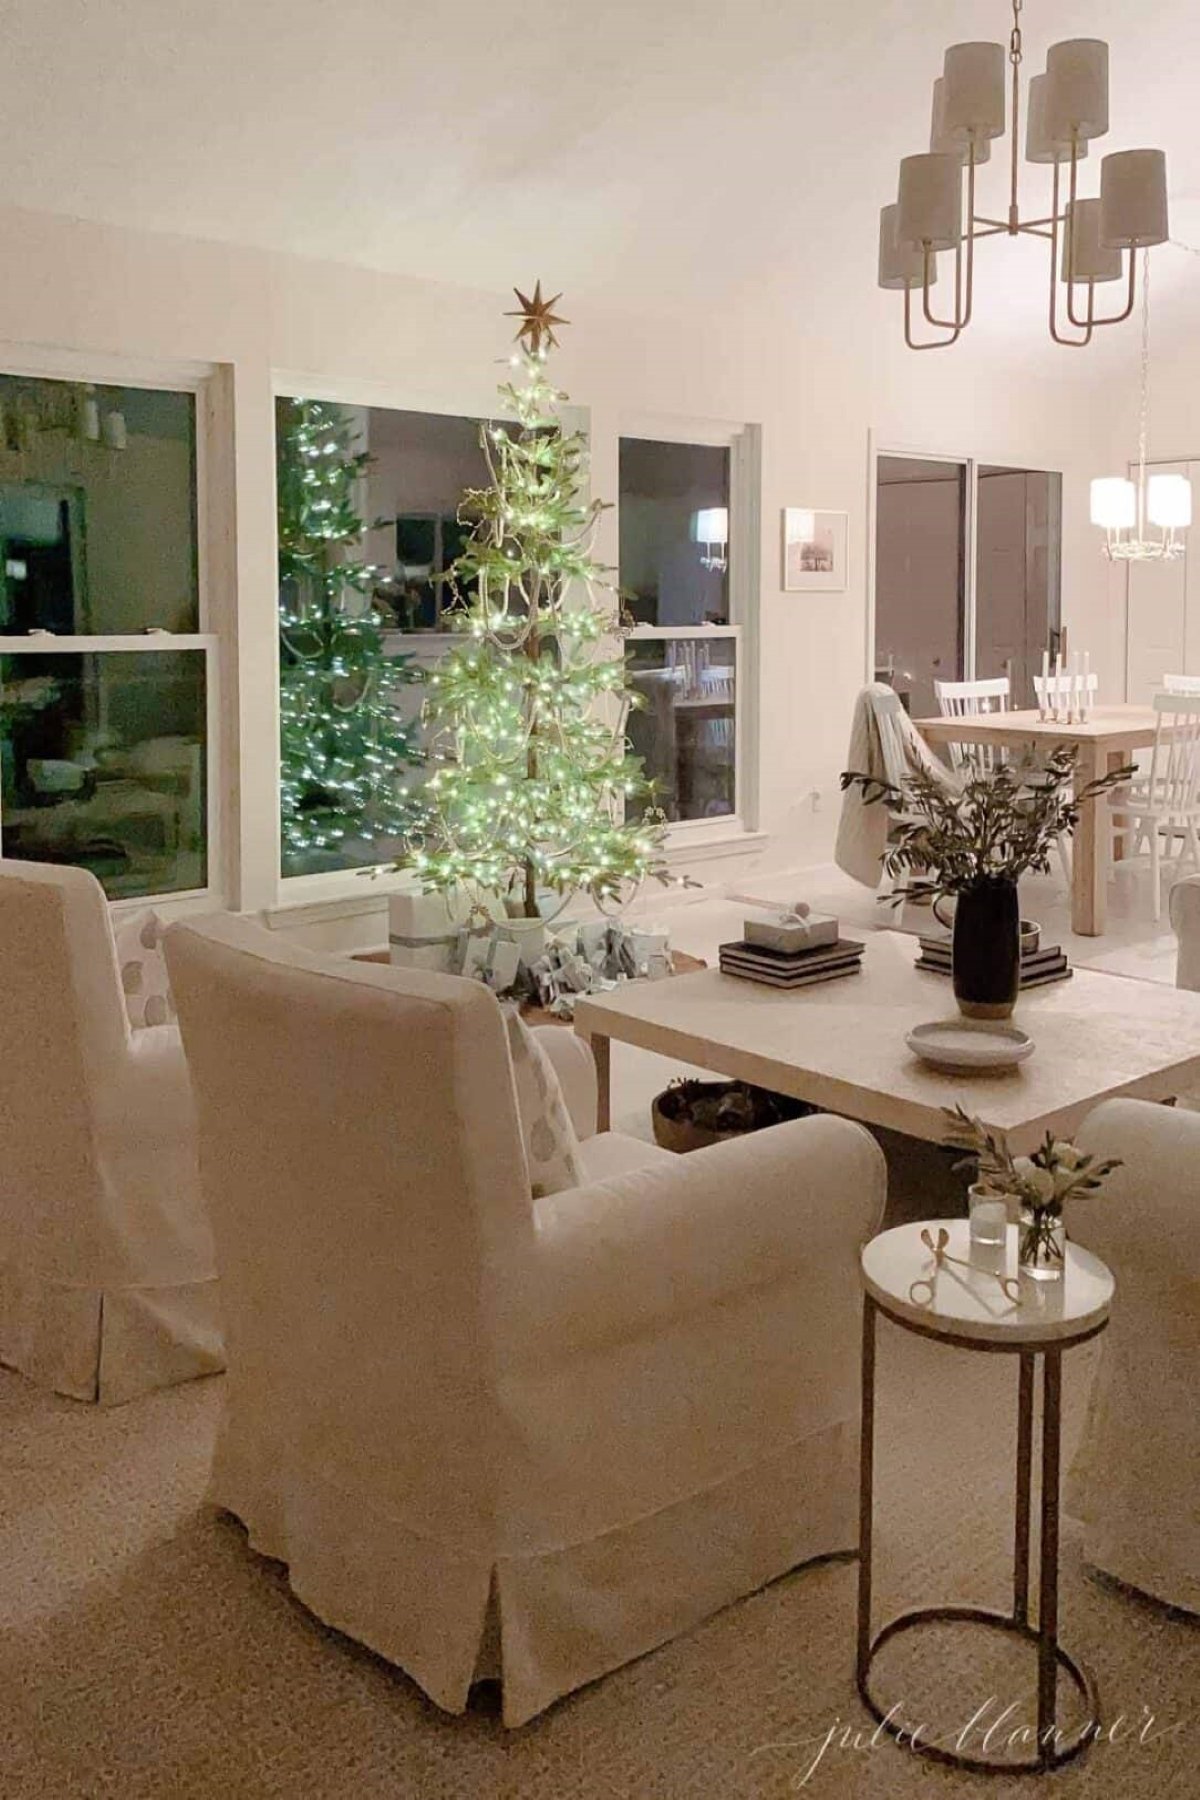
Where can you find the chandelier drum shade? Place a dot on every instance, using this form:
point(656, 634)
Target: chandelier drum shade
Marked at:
point(976, 100)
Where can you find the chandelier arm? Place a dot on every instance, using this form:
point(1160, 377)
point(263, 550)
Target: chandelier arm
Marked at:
point(970, 295)
point(1068, 343)
point(933, 343)
point(962, 303)
point(1130, 297)
point(931, 318)
point(1090, 323)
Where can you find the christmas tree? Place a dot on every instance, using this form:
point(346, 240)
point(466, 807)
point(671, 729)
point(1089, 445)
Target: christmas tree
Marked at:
point(343, 744)
point(528, 714)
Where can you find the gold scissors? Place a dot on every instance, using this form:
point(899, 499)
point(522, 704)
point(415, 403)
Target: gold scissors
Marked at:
point(923, 1291)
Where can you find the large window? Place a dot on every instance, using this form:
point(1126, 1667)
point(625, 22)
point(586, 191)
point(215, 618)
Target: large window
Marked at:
point(106, 672)
point(682, 653)
point(353, 751)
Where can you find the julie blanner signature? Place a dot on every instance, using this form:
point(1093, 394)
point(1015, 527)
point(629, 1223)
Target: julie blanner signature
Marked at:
point(993, 1729)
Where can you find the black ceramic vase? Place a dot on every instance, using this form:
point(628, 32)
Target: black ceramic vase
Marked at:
point(987, 949)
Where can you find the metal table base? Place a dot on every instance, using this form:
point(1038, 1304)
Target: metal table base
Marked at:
point(1052, 1750)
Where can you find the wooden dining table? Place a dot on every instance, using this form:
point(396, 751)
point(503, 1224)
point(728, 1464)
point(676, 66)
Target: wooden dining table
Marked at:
point(1107, 740)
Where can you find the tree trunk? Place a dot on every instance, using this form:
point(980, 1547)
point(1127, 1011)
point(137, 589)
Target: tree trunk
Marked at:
point(533, 652)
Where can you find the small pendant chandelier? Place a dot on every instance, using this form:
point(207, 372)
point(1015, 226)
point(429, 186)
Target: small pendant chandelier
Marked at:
point(1126, 509)
point(1067, 108)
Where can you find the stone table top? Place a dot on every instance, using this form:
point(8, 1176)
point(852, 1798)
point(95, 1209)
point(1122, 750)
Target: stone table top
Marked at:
point(970, 1302)
point(840, 1044)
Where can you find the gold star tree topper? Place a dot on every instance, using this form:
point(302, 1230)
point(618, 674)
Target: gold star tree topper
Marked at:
point(538, 320)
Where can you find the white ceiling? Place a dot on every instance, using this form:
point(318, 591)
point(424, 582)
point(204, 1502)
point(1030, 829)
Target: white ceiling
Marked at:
point(646, 152)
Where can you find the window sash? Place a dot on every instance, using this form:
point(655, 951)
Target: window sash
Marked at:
point(681, 831)
point(144, 643)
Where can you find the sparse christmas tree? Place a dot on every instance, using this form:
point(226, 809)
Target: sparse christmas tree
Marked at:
point(528, 715)
point(343, 744)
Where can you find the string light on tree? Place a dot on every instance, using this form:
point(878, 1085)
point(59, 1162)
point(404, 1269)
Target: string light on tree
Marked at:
point(527, 718)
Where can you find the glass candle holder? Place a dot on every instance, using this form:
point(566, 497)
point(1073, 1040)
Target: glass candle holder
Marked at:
point(989, 1220)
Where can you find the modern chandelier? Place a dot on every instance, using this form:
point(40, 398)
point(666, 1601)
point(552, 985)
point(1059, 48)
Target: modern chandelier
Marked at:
point(1142, 519)
point(1067, 109)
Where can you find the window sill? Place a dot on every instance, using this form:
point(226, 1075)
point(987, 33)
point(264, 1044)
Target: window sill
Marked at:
point(708, 845)
point(347, 896)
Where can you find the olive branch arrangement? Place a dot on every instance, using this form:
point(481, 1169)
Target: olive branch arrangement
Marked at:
point(998, 825)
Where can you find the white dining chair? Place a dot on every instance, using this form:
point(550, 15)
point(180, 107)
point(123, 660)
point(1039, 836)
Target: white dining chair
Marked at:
point(1164, 806)
point(1181, 684)
point(968, 700)
point(971, 699)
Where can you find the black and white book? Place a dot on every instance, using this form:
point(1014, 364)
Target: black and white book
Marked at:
point(792, 961)
point(803, 978)
point(937, 953)
point(1032, 975)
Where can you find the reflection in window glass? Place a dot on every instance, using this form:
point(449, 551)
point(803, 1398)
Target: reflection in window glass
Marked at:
point(102, 766)
point(97, 508)
point(421, 466)
point(397, 529)
point(685, 728)
point(674, 532)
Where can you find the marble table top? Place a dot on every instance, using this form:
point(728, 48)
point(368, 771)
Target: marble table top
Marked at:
point(840, 1044)
point(970, 1302)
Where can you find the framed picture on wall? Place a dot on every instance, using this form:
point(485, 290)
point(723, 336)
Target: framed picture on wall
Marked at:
point(814, 551)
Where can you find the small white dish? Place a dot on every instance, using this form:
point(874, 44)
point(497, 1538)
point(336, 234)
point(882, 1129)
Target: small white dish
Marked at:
point(970, 1045)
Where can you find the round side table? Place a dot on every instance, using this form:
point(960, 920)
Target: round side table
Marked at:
point(968, 1307)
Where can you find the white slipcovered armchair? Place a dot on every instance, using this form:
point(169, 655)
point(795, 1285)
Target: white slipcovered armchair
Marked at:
point(107, 1284)
point(492, 1436)
point(1136, 1481)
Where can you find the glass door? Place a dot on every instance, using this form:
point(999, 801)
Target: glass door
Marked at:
point(920, 576)
point(1018, 523)
point(967, 574)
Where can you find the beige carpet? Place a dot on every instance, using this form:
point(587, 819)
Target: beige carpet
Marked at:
point(145, 1651)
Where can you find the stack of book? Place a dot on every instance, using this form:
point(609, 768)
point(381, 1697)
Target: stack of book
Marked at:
point(1047, 963)
point(791, 968)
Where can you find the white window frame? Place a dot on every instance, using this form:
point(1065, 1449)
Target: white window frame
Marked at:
point(105, 370)
point(744, 445)
point(361, 889)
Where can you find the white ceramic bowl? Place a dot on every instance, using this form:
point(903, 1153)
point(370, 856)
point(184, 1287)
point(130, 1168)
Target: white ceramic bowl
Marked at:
point(957, 1045)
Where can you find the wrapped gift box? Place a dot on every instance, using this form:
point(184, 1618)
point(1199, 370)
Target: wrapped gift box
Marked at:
point(789, 934)
point(423, 929)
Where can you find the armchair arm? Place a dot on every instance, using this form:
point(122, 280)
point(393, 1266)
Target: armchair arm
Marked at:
point(623, 1258)
point(1185, 917)
point(575, 1066)
point(1145, 1218)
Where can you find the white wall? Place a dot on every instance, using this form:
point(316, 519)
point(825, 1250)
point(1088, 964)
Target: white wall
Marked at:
point(818, 374)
